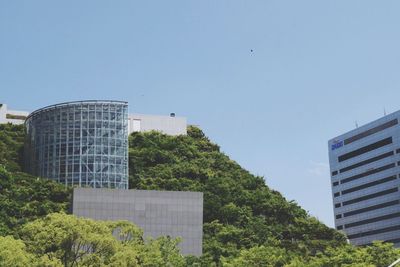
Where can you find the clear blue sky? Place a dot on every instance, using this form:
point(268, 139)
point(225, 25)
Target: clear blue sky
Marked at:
point(316, 67)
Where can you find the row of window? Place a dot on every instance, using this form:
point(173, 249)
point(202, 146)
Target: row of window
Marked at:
point(374, 195)
point(374, 232)
point(367, 173)
point(367, 161)
point(362, 163)
point(372, 220)
point(366, 197)
point(365, 149)
point(370, 208)
point(370, 160)
point(370, 131)
point(360, 187)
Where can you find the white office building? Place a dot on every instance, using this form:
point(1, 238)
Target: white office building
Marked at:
point(365, 181)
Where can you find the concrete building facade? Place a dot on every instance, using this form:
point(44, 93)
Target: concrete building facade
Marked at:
point(12, 116)
point(365, 181)
point(170, 125)
point(158, 213)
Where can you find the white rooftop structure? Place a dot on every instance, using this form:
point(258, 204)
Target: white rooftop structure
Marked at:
point(170, 125)
point(12, 116)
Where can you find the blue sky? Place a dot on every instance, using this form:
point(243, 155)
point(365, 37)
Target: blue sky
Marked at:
point(316, 67)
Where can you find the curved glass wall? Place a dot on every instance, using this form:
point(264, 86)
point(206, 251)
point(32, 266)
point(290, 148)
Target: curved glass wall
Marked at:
point(79, 143)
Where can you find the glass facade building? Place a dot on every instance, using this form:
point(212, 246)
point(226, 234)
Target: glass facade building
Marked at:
point(82, 143)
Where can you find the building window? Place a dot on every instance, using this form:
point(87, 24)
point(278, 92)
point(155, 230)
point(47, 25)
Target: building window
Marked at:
point(338, 205)
point(378, 194)
point(374, 232)
point(360, 187)
point(371, 131)
point(373, 171)
point(365, 149)
point(359, 164)
point(372, 220)
point(375, 207)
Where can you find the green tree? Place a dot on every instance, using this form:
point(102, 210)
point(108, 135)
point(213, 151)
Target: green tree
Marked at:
point(240, 210)
point(72, 241)
point(259, 256)
point(13, 253)
point(24, 198)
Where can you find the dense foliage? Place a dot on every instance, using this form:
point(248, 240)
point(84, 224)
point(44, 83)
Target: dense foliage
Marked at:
point(245, 222)
point(11, 146)
point(64, 240)
point(240, 210)
point(24, 198)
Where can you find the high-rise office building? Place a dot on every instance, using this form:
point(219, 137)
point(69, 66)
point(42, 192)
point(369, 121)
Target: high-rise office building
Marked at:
point(365, 181)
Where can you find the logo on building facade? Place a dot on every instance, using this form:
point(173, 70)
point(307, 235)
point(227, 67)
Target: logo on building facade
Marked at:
point(336, 144)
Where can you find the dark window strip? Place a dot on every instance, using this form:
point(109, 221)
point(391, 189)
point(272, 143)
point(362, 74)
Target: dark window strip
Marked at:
point(335, 183)
point(373, 171)
point(362, 163)
point(398, 150)
point(378, 194)
point(339, 227)
point(338, 205)
point(336, 194)
point(334, 173)
point(338, 216)
point(365, 149)
point(375, 207)
point(394, 240)
point(360, 187)
point(370, 131)
point(372, 220)
point(374, 232)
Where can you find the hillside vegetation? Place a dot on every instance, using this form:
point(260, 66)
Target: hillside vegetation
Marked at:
point(245, 222)
point(240, 210)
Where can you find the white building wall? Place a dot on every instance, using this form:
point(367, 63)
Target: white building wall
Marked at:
point(165, 124)
point(5, 112)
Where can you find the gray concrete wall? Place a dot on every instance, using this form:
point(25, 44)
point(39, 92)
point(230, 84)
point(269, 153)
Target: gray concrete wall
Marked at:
point(158, 213)
point(165, 124)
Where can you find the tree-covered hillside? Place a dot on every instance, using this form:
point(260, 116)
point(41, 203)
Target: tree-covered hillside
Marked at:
point(240, 210)
point(24, 198)
point(245, 222)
